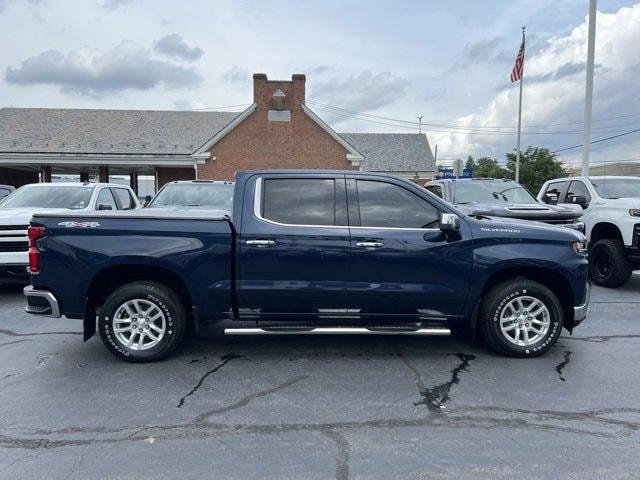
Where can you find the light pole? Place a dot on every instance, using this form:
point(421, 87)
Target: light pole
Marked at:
point(588, 100)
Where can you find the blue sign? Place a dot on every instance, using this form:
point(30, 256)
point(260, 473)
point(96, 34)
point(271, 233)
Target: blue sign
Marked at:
point(467, 173)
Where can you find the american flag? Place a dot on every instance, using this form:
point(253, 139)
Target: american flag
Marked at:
point(516, 73)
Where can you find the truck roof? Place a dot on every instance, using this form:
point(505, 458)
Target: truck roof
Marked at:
point(74, 184)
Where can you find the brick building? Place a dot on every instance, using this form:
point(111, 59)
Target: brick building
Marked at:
point(278, 130)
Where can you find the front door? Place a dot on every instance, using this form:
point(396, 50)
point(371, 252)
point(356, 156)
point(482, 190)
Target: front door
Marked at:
point(402, 264)
point(294, 247)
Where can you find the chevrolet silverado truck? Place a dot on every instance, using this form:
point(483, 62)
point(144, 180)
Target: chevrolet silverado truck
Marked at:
point(502, 198)
point(308, 252)
point(610, 208)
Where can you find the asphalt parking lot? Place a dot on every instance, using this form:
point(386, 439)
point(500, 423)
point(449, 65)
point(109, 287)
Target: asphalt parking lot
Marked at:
point(322, 407)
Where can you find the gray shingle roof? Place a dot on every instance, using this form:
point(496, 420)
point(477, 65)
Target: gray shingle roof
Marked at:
point(393, 152)
point(58, 130)
point(52, 130)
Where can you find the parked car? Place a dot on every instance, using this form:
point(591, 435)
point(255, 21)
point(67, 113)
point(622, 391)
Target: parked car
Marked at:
point(16, 212)
point(502, 198)
point(189, 194)
point(611, 213)
point(308, 252)
point(5, 190)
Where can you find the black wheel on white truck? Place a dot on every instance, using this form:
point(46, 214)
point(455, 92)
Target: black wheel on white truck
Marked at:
point(142, 322)
point(608, 264)
point(520, 318)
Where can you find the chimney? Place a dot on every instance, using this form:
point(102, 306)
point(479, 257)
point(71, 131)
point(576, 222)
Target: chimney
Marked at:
point(278, 95)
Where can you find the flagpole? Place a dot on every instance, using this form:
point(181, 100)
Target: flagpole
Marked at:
point(519, 118)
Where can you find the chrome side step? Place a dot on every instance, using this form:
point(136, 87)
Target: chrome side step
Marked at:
point(336, 331)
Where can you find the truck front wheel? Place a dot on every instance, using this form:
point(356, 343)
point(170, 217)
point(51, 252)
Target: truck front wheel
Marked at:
point(520, 318)
point(142, 322)
point(608, 265)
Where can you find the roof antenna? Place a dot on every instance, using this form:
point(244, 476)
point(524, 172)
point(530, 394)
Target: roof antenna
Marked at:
point(420, 123)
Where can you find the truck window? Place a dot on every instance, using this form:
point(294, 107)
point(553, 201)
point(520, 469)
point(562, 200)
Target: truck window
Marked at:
point(577, 188)
point(126, 202)
point(105, 198)
point(435, 189)
point(556, 188)
point(387, 205)
point(299, 201)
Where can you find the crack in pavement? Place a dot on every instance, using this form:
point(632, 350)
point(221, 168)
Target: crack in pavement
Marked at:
point(344, 453)
point(225, 359)
point(11, 333)
point(601, 338)
point(462, 418)
point(436, 397)
point(564, 363)
point(244, 401)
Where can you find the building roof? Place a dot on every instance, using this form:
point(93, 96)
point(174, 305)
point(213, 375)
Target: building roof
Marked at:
point(166, 132)
point(393, 152)
point(61, 130)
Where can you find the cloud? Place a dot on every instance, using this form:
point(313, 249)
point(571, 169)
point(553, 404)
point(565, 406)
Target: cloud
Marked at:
point(173, 46)
point(236, 75)
point(183, 104)
point(95, 72)
point(554, 89)
point(115, 4)
point(481, 51)
point(362, 93)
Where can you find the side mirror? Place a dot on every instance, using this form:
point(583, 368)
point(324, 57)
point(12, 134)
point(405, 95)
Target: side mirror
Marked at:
point(551, 198)
point(449, 222)
point(104, 206)
point(579, 200)
point(147, 200)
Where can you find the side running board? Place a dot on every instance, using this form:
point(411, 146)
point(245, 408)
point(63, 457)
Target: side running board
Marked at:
point(335, 331)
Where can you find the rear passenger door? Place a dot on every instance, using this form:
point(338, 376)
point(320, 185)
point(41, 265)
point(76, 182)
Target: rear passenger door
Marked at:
point(293, 257)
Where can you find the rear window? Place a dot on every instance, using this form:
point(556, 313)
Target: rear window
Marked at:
point(299, 201)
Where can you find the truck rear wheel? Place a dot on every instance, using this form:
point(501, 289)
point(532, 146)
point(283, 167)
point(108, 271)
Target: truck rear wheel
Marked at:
point(142, 322)
point(608, 265)
point(520, 318)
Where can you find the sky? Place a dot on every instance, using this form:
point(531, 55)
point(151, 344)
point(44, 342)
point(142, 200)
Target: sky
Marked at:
point(371, 66)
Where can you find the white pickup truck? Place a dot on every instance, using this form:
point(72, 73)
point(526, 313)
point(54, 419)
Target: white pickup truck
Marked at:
point(611, 215)
point(17, 209)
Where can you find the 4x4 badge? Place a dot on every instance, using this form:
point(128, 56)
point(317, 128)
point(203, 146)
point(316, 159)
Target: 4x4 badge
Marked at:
point(74, 224)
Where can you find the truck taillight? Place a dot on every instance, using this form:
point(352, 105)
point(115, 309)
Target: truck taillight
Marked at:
point(35, 233)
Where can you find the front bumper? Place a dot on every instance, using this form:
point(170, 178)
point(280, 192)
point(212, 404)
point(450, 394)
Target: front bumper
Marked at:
point(14, 274)
point(580, 311)
point(41, 302)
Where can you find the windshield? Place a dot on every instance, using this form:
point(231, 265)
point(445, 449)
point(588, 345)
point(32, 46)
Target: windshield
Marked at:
point(195, 195)
point(612, 187)
point(49, 196)
point(490, 191)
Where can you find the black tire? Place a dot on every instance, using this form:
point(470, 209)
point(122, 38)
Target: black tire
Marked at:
point(497, 300)
point(162, 302)
point(608, 265)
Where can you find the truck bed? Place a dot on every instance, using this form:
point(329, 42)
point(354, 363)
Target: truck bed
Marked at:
point(195, 245)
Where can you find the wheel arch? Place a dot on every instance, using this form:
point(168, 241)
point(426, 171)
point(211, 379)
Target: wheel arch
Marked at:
point(603, 230)
point(110, 278)
point(553, 280)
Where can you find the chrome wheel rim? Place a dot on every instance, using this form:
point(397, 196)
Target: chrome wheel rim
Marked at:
point(139, 324)
point(525, 320)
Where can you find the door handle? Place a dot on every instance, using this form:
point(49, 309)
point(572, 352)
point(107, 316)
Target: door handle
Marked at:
point(371, 244)
point(260, 243)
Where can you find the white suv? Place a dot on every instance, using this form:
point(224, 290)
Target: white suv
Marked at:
point(611, 215)
point(17, 209)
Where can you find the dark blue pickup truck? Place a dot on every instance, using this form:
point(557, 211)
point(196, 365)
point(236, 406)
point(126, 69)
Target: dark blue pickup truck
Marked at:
point(308, 252)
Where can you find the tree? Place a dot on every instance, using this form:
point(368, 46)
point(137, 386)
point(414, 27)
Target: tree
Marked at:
point(537, 165)
point(471, 164)
point(487, 167)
